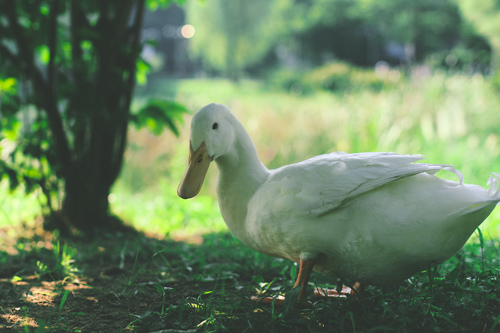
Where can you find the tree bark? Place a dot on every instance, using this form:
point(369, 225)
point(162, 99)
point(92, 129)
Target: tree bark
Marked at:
point(102, 117)
point(86, 206)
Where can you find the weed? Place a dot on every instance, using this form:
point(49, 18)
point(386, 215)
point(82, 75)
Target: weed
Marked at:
point(60, 266)
point(61, 305)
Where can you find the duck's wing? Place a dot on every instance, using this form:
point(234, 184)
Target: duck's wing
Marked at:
point(324, 183)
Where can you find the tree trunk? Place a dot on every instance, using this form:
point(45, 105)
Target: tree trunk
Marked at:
point(85, 94)
point(86, 206)
point(100, 107)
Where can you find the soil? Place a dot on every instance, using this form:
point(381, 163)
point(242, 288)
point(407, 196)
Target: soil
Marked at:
point(113, 287)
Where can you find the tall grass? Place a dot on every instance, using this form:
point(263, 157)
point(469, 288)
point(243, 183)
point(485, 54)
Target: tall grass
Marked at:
point(448, 119)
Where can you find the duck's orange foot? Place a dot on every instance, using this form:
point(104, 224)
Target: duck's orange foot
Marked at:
point(280, 301)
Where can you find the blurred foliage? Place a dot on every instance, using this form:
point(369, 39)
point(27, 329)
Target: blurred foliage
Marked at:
point(460, 58)
point(236, 35)
point(485, 16)
point(333, 76)
point(67, 75)
point(156, 4)
point(363, 28)
point(158, 114)
point(231, 35)
point(290, 80)
point(342, 76)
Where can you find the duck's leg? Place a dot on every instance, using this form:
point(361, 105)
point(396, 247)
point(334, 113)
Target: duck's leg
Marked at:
point(355, 291)
point(305, 269)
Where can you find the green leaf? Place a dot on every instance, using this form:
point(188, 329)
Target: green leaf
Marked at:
point(159, 288)
point(11, 128)
point(44, 9)
point(44, 54)
point(293, 272)
point(158, 114)
point(142, 71)
point(30, 184)
point(11, 175)
point(291, 298)
point(155, 4)
point(258, 279)
point(86, 45)
point(16, 279)
point(63, 300)
point(8, 85)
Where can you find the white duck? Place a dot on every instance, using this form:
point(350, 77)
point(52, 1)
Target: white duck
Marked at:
point(376, 218)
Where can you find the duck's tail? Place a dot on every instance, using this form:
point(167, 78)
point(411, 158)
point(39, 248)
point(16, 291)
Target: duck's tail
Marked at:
point(494, 189)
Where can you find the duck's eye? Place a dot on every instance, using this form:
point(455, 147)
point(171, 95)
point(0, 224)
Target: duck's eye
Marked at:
point(199, 160)
point(214, 126)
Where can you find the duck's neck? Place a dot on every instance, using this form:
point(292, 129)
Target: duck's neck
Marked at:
point(240, 175)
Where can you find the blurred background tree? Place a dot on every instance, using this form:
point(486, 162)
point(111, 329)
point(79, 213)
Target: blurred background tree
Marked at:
point(233, 36)
point(67, 74)
point(485, 17)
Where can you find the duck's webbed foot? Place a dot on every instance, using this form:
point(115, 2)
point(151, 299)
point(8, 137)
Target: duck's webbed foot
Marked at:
point(355, 291)
point(305, 268)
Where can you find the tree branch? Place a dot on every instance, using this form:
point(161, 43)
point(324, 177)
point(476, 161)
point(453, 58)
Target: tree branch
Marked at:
point(46, 99)
point(77, 23)
point(17, 30)
point(136, 48)
point(51, 70)
point(109, 142)
point(51, 107)
point(79, 79)
point(25, 61)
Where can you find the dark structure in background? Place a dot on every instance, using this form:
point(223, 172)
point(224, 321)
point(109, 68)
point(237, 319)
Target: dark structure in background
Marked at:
point(163, 31)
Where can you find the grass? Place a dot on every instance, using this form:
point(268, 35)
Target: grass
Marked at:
point(186, 272)
point(146, 284)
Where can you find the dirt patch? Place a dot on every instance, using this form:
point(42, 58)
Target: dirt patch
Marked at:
point(109, 282)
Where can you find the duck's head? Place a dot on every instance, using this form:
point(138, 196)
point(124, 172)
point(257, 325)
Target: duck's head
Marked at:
point(212, 136)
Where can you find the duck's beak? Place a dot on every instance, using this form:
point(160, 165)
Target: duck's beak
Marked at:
point(197, 168)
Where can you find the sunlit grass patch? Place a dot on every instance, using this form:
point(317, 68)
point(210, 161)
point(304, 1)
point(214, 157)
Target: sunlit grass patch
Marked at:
point(162, 212)
point(16, 206)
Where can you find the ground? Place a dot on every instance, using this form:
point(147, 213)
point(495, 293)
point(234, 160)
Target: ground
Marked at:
point(147, 283)
point(108, 290)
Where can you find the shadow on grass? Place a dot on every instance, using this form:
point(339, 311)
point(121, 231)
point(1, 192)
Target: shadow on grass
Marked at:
point(143, 283)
